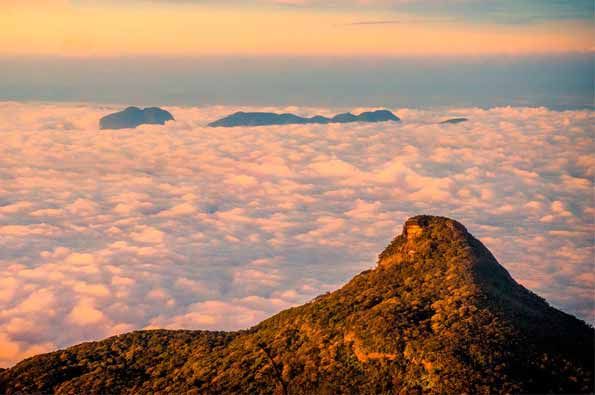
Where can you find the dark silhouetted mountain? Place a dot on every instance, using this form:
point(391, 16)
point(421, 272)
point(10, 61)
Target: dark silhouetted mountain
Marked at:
point(268, 118)
point(437, 315)
point(132, 117)
point(377, 116)
point(454, 120)
point(344, 118)
point(262, 119)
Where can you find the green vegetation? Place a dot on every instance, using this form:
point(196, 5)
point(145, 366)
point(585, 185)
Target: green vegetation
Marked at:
point(438, 315)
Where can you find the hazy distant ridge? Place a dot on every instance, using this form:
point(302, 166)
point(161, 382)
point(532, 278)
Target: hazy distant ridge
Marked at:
point(269, 118)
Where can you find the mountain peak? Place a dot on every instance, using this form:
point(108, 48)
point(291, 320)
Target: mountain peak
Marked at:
point(438, 315)
point(415, 226)
point(422, 231)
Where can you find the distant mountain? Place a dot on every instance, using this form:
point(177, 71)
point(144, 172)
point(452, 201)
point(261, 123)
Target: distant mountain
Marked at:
point(454, 120)
point(438, 315)
point(373, 116)
point(132, 117)
point(269, 118)
point(344, 118)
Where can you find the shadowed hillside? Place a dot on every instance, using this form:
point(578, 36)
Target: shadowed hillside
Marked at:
point(437, 315)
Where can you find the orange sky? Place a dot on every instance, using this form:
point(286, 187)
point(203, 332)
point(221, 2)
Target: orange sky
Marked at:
point(95, 29)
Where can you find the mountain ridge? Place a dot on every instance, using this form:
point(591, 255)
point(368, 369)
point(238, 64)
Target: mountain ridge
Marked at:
point(438, 314)
point(268, 119)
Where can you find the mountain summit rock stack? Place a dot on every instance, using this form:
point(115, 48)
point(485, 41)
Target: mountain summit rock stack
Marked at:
point(437, 315)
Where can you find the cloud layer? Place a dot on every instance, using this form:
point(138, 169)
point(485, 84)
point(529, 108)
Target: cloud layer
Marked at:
point(185, 226)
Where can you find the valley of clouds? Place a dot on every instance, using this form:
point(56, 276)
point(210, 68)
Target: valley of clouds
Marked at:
point(186, 226)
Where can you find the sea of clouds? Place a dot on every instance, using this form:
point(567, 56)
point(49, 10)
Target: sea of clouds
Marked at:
point(184, 226)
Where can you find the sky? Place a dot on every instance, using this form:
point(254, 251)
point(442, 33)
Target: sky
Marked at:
point(553, 81)
point(185, 226)
point(295, 27)
point(412, 53)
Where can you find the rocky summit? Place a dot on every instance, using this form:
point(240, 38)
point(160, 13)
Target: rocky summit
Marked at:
point(437, 315)
point(132, 117)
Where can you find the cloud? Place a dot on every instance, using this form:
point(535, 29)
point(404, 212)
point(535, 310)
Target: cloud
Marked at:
point(85, 313)
point(179, 210)
point(147, 234)
point(184, 226)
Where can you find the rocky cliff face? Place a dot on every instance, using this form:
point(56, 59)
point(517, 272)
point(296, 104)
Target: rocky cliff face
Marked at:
point(437, 315)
